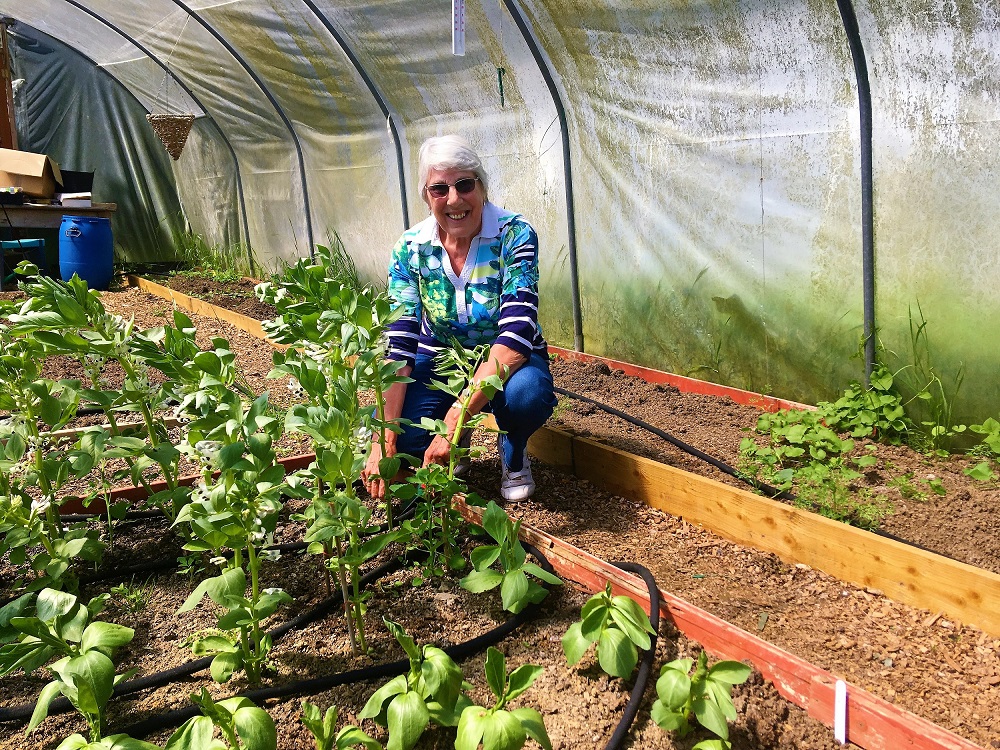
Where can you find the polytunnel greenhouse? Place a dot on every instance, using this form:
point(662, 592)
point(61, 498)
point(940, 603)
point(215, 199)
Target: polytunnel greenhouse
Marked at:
point(659, 409)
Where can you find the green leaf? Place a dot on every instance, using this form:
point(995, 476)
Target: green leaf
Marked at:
point(710, 716)
point(667, 719)
point(105, 636)
point(124, 742)
point(502, 731)
point(194, 734)
point(93, 674)
point(496, 671)
point(575, 644)
point(521, 679)
point(48, 694)
point(212, 644)
point(981, 472)
point(52, 604)
point(231, 583)
point(513, 591)
point(630, 618)
point(483, 557)
point(674, 688)
point(712, 745)
point(532, 722)
point(470, 728)
point(407, 718)
point(616, 654)
point(224, 664)
point(541, 573)
point(496, 522)
point(729, 672)
point(594, 618)
point(373, 708)
point(442, 676)
point(255, 728)
point(479, 581)
point(73, 742)
point(350, 736)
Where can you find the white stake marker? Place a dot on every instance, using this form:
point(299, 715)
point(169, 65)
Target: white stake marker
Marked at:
point(840, 712)
point(458, 27)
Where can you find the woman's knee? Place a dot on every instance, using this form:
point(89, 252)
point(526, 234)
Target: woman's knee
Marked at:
point(530, 390)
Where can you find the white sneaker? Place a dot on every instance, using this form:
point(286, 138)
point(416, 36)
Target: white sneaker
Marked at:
point(464, 463)
point(516, 485)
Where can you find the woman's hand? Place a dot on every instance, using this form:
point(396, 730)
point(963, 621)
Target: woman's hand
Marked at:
point(439, 451)
point(370, 476)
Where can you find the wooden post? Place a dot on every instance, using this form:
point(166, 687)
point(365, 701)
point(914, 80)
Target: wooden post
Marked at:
point(8, 129)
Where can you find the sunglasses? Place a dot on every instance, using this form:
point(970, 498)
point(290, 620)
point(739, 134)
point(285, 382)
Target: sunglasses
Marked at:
point(463, 187)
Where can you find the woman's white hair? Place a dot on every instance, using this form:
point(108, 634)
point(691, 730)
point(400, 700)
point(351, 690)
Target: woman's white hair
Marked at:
point(449, 152)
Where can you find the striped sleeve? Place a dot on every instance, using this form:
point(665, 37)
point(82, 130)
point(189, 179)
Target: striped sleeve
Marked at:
point(404, 290)
point(518, 323)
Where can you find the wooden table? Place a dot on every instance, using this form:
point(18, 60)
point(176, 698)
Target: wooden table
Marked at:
point(29, 216)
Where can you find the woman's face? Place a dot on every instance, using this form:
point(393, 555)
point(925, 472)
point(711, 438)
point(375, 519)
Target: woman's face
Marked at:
point(459, 216)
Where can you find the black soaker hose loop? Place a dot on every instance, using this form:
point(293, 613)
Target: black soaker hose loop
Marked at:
point(646, 665)
point(158, 679)
point(459, 652)
point(725, 468)
point(772, 492)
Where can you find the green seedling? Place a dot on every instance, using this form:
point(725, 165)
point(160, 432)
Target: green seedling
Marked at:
point(517, 591)
point(981, 472)
point(324, 730)
point(496, 728)
point(243, 726)
point(61, 626)
point(432, 690)
point(133, 597)
point(617, 625)
point(111, 742)
point(704, 696)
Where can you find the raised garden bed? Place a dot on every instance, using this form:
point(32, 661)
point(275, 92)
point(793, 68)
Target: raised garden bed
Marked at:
point(804, 608)
point(916, 658)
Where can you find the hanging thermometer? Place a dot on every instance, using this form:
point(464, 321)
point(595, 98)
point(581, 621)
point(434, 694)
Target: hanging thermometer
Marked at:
point(458, 27)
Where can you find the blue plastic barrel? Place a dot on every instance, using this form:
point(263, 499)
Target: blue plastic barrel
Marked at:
point(86, 249)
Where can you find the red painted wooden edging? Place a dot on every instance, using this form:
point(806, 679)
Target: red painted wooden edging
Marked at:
point(872, 723)
point(73, 504)
point(685, 384)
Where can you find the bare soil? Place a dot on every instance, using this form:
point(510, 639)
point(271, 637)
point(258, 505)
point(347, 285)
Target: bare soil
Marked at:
point(918, 660)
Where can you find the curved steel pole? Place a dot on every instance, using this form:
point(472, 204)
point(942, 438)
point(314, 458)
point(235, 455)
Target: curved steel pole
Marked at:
point(867, 203)
point(543, 66)
point(189, 92)
point(379, 99)
point(274, 103)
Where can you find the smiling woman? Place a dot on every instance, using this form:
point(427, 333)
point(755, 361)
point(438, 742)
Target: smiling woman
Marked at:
point(467, 275)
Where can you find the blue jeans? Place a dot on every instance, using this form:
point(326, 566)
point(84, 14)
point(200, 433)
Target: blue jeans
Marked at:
point(524, 404)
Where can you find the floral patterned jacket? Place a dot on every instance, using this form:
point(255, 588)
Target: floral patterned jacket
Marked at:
point(494, 300)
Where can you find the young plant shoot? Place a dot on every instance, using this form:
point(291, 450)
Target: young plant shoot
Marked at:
point(432, 690)
point(61, 626)
point(517, 591)
point(617, 625)
point(704, 696)
point(496, 728)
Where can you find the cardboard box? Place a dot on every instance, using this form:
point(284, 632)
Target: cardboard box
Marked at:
point(36, 174)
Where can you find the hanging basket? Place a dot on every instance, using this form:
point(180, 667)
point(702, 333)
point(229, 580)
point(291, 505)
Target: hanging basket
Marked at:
point(173, 130)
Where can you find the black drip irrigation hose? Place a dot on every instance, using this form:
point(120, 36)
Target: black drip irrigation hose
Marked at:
point(725, 468)
point(459, 652)
point(646, 665)
point(771, 492)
